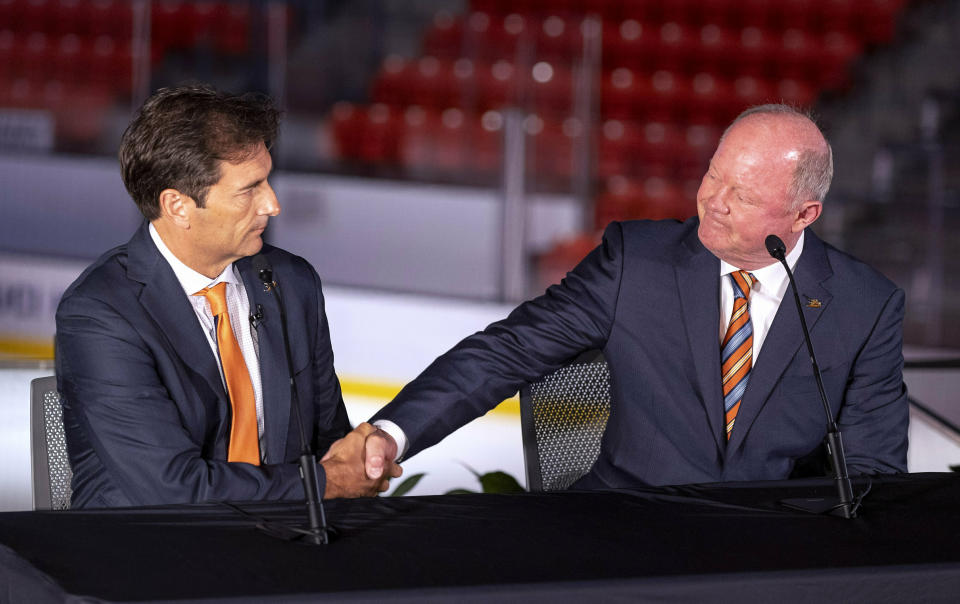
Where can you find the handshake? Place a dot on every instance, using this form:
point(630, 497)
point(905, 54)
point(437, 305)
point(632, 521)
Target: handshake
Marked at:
point(361, 463)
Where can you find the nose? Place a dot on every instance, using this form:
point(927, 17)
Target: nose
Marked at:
point(269, 205)
point(714, 198)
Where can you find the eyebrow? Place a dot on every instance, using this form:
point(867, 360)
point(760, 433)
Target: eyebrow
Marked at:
point(252, 185)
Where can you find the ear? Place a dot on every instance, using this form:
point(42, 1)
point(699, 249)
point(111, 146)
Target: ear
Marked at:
point(807, 214)
point(175, 207)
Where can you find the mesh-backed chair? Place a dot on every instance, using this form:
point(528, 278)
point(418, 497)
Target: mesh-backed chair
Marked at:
point(563, 416)
point(48, 447)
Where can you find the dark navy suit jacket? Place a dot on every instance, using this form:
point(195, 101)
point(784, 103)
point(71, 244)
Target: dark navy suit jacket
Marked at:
point(648, 296)
point(146, 415)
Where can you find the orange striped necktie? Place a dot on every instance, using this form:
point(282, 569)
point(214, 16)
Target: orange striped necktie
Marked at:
point(736, 351)
point(244, 442)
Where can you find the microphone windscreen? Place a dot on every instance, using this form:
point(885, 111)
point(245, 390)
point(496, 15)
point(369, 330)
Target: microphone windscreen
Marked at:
point(775, 246)
point(262, 266)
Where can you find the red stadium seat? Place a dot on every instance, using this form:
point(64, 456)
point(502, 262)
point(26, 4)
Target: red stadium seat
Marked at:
point(391, 84)
point(419, 133)
point(70, 17)
point(169, 25)
point(71, 64)
point(631, 43)
point(837, 51)
point(718, 51)
point(444, 37)
point(617, 145)
point(750, 91)
point(669, 93)
point(347, 124)
point(451, 141)
point(559, 40)
point(488, 143)
point(380, 142)
point(36, 57)
point(432, 84)
point(232, 28)
point(711, 99)
point(551, 89)
point(112, 18)
point(678, 47)
point(111, 64)
point(798, 55)
point(757, 48)
point(36, 16)
point(624, 94)
point(796, 92)
point(503, 36)
point(701, 141)
point(496, 85)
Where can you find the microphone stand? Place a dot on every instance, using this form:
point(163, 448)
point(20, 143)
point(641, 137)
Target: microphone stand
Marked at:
point(317, 534)
point(845, 507)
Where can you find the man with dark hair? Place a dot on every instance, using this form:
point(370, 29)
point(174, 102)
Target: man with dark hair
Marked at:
point(710, 378)
point(170, 353)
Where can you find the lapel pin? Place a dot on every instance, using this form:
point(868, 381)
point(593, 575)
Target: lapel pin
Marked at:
point(814, 303)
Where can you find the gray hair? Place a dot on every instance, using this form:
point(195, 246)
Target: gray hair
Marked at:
point(814, 172)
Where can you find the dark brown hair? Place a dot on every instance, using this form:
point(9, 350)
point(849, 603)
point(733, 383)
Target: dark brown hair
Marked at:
point(181, 135)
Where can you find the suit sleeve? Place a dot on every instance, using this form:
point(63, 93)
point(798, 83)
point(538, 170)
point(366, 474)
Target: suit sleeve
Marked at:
point(536, 338)
point(125, 432)
point(874, 416)
point(331, 422)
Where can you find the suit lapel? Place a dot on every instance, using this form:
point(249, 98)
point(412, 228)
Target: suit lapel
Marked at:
point(274, 374)
point(786, 334)
point(162, 297)
point(698, 280)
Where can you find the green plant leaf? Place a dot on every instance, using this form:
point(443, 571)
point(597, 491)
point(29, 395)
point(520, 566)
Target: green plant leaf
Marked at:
point(500, 482)
point(407, 485)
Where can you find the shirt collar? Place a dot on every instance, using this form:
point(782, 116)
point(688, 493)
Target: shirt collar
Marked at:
point(190, 280)
point(772, 278)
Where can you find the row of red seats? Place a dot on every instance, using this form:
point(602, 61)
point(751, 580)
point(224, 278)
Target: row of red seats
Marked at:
point(69, 59)
point(752, 50)
point(872, 20)
point(653, 197)
point(620, 198)
point(672, 96)
point(79, 111)
point(453, 140)
point(549, 89)
point(174, 24)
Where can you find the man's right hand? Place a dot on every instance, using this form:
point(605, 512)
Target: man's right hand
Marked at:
point(348, 460)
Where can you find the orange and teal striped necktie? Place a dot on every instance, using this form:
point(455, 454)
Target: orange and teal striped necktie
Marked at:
point(737, 348)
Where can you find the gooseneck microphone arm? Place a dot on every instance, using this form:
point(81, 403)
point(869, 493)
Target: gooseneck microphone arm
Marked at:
point(778, 250)
point(317, 533)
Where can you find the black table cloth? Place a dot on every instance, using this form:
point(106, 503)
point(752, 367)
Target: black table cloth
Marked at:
point(730, 542)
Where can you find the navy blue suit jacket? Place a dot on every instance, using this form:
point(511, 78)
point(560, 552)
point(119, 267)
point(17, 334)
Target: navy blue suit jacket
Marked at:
point(648, 296)
point(146, 415)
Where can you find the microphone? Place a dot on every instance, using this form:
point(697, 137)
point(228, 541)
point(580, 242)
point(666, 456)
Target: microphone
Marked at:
point(317, 533)
point(845, 507)
point(256, 318)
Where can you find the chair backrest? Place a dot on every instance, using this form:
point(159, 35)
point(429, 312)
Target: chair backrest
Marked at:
point(48, 447)
point(563, 416)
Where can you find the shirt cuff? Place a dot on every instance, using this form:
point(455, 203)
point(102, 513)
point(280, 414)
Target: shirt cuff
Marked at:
point(394, 430)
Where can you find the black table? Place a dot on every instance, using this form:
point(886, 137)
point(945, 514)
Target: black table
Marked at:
point(731, 542)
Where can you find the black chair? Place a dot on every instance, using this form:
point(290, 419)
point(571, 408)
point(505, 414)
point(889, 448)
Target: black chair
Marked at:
point(48, 447)
point(563, 416)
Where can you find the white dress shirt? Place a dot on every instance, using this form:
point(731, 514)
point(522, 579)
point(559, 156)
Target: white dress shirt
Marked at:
point(765, 296)
point(238, 307)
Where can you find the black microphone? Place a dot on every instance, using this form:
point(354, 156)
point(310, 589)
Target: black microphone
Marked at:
point(317, 533)
point(845, 507)
point(256, 318)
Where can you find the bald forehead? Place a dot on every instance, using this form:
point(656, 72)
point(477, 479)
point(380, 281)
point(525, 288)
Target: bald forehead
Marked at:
point(781, 130)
